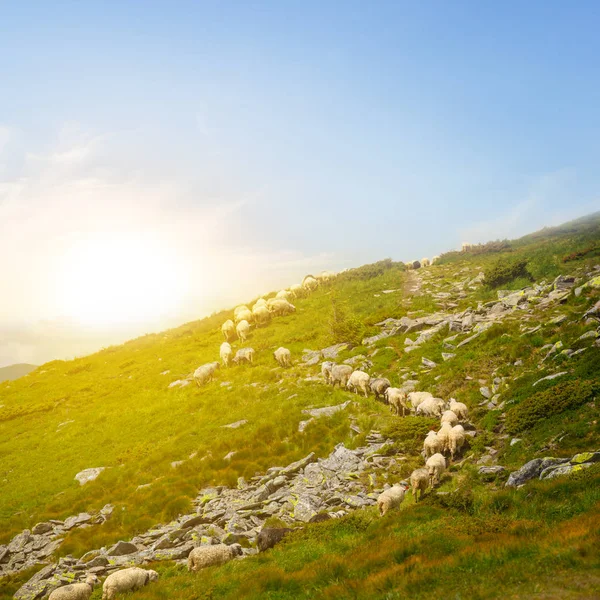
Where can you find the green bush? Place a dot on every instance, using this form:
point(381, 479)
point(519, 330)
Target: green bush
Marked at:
point(409, 432)
point(371, 271)
point(553, 401)
point(506, 271)
point(343, 324)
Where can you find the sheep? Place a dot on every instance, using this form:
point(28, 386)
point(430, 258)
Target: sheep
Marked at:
point(432, 444)
point(359, 380)
point(228, 329)
point(425, 262)
point(259, 302)
point(435, 259)
point(208, 556)
point(416, 264)
point(225, 353)
point(436, 465)
point(269, 536)
point(391, 498)
point(378, 386)
point(244, 355)
point(396, 398)
point(450, 417)
point(283, 356)
point(127, 580)
point(444, 437)
point(431, 407)
point(415, 398)
point(283, 294)
point(243, 329)
point(456, 439)
point(261, 314)
point(419, 480)
point(239, 309)
point(243, 315)
point(279, 306)
point(309, 283)
point(340, 374)
point(459, 409)
point(296, 290)
point(326, 370)
point(75, 591)
point(205, 373)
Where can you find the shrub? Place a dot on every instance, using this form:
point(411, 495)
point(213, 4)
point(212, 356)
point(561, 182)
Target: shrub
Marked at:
point(553, 401)
point(409, 432)
point(505, 272)
point(371, 270)
point(344, 326)
point(593, 250)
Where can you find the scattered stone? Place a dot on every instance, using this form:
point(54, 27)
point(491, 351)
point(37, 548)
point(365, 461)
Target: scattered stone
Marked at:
point(447, 356)
point(236, 424)
point(549, 377)
point(88, 475)
point(428, 363)
point(326, 411)
point(515, 441)
point(485, 392)
point(122, 548)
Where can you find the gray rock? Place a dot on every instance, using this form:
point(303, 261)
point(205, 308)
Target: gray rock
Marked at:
point(331, 352)
point(236, 424)
point(311, 357)
point(447, 356)
point(532, 470)
point(326, 411)
point(41, 528)
point(515, 441)
point(564, 282)
point(494, 470)
point(485, 392)
point(557, 471)
point(172, 553)
point(122, 548)
point(306, 507)
point(299, 464)
point(77, 520)
point(468, 340)
point(304, 424)
point(18, 543)
point(428, 363)
point(88, 475)
point(548, 377)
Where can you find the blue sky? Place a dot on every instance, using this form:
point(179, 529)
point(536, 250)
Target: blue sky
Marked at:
point(264, 140)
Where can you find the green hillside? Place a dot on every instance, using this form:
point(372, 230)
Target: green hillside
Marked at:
point(470, 538)
point(15, 371)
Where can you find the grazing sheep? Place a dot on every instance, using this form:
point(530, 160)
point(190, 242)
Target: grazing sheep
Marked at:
point(208, 556)
point(309, 283)
point(359, 380)
point(456, 439)
point(415, 398)
point(296, 290)
point(244, 355)
point(127, 580)
point(269, 536)
point(444, 437)
point(340, 374)
point(261, 314)
point(416, 264)
point(260, 302)
point(459, 409)
point(280, 307)
point(226, 353)
point(396, 398)
point(243, 329)
point(283, 294)
point(205, 373)
point(436, 465)
point(432, 444)
point(378, 386)
point(425, 262)
point(435, 259)
point(450, 417)
point(391, 498)
point(243, 315)
point(431, 407)
point(75, 591)
point(228, 329)
point(326, 370)
point(283, 356)
point(239, 309)
point(419, 480)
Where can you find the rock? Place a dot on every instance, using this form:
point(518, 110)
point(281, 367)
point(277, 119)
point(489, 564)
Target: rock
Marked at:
point(236, 424)
point(107, 510)
point(122, 548)
point(558, 320)
point(230, 455)
point(172, 553)
point(177, 463)
point(447, 356)
point(556, 471)
point(428, 363)
point(299, 464)
point(48, 549)
point(311, 357)
point(494, 470)
point(342, 461)
point(485, 392)
point(42, 528)
point(304, 424)
point(409, 386)
point(76, 521)
point(548, 377)
point(306, 507)
point(586, 457)
point(88, 475)
point(532, 470)
point(331, 352)
point(468, 340)
point(326, 411)
point(98, 561)
point(589, 335)
point(19, 541)
point(564, 282)
point(515, 441)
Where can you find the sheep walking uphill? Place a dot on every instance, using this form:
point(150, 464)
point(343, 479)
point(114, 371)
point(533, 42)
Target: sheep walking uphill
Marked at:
point(226, 353)
point(228, 329)
point(359, 381)
point(432, 444)
point(396, 398)
point(205, 373)
point(261, 314)
point(127, 580)
point(75, 591)
point(244, 355)
point(431, 407)
point(436, 465)
point(243, 329)
point(459, 409)
point(419, 480)
point(416, 398)
point(391, 498)
point(283, 356)
point(208, 556)
point(444, 437)
point(340, 374)
point(449, 417)
point(456, 439)
point(378, 386)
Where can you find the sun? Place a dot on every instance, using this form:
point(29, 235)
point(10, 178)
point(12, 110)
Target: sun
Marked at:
point(116, 279)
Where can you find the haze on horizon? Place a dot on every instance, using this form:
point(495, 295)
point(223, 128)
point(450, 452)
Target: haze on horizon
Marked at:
point(162, 160)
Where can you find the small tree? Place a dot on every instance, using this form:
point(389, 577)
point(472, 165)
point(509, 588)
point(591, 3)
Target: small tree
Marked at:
point(343, 325)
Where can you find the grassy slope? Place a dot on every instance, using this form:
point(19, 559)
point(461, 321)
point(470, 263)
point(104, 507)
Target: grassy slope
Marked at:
point(120, 414)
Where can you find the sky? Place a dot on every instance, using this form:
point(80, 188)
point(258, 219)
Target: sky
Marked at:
point(162, 160)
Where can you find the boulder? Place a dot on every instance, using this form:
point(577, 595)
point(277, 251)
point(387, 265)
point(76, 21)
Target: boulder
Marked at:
point(77, 520)
point(331, 352)
point(532, 470)
point(306, 507)
point(122, 548)
point(557, 471)
point(88, 475)
point(41, 528)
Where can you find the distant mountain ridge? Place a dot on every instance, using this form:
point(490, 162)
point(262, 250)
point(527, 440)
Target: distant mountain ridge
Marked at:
point(15, 371)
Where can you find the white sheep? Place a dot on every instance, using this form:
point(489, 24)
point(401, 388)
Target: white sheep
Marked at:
point(444, 437)
point(283, 294)
point(396, 398)
point(435, 259)
point(450, 417)
point(243, 329)
point(432, 444)
point(280, 307)
point(283, 356)
point(309, 283)
point(208, 556)
point(340, 374)
point(419, 480)
point(326, 370)
point(459, 409)
point(205, 373)
point(239, 309)
point(244, 355)
point(261, 314)
point(244, 315)
point(378, 386)
point(456, 439)
point(436, 465)
point(75, 591)
point(391, 498)
point(228, 329)
point(359, 380)
point(425, 262)
point(431, 407)
point(127, 580)
point(259, 302)
point(415, 398)
point(296, 290)
point(225, 353)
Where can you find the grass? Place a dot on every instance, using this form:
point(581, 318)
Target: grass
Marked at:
point(114, 409)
